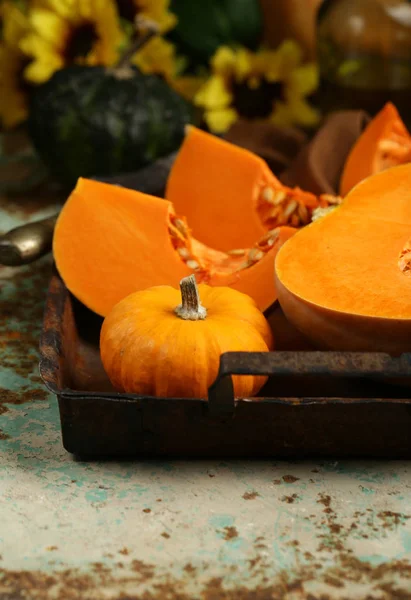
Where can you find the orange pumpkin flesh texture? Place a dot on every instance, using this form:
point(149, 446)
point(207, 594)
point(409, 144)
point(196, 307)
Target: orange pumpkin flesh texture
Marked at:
point(345, 280)
point(384, 143)
point(111, 241)
point(229, 195)
point(147, 349)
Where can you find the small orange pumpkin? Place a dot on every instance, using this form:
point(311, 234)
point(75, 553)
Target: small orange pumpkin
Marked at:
point(156, 343)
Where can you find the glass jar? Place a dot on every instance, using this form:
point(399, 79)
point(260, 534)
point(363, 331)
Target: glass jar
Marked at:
point(364, 55)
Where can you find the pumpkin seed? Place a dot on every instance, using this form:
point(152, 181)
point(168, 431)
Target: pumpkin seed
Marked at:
point(330, 199)
point(321, 211)
point(184, 253)
point(279, 196)
point(236, 252)
point(192, 264)
point(390, 146)
point(303, 213)
point(181, 226)
point(268, 194)
point(176, 234)
point(270, 238)
point(289, 209)
point(404, 262)
point(255, 255)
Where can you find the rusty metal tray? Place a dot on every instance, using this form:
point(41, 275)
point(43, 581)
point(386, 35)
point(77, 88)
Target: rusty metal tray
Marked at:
point(315, 403)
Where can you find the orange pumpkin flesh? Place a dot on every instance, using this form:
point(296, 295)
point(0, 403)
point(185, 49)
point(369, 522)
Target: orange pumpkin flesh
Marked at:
point(385, 143)
point(229, 195)
point(110, 241)
point(345, 280)
point(153, 343)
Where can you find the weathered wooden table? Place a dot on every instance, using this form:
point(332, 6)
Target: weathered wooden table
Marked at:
point(176, 530)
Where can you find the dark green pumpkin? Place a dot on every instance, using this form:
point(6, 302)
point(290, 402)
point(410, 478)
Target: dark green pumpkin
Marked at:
point(203, 26)
point(89, 121)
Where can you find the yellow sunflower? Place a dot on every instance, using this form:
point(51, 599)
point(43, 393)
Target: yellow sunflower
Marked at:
point(159, 56)
point(155, 10)
point(13, 88)
point(271, 84)
point(65, 32)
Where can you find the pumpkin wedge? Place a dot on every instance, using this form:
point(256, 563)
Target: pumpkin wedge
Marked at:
point(229, 195)
point(345, 280)
point(384, 143)
point(110, 241)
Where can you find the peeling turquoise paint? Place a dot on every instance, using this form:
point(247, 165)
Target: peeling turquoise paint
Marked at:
point(59, 512)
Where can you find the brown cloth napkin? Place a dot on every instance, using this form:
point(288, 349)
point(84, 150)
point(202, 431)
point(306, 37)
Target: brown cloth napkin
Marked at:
point(315, 166)
point(277, 146)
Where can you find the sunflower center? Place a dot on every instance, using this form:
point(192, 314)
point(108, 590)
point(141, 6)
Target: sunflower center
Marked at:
point(127, 9)
point(80, 42)
point(256, 102)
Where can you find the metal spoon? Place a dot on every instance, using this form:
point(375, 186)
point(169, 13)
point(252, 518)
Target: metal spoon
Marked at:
point(27, 243)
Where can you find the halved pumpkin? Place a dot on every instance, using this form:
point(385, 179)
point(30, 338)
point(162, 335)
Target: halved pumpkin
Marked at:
point(384, 143)
point(110, 241)
point(345, 280)
point(229, 195)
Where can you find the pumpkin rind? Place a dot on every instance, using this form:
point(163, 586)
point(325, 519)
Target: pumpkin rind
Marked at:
point(104, 125)
point(341, 280)
point(147, 349)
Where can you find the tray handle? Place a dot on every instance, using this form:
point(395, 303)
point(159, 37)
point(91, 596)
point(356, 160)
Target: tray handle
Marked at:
point(348, 364)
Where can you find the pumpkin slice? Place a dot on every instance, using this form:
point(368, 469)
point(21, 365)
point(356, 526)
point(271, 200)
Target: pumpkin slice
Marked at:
point(110, 241)
point(384, 143)
point(229, 195)
point(345, 280)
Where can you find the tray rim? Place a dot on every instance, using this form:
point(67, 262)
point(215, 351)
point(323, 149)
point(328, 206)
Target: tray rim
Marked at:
point(50, 353)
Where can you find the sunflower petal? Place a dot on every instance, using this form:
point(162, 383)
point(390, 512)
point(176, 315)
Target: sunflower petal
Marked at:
point(157, 56)
point(243, 64)
point(35, 46)
point(304, 79)
point(220, 120)
point(303, 113)
point(65, 8)
point(223, 61)
point(214, 94)
point(267, 63)
point(158, 11)
point(53, 25)
point(289, 55)
point(50, 27)
point(15, 25)
point(40, 71)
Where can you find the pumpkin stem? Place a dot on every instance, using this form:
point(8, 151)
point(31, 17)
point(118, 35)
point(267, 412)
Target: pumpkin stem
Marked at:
point(145, 30)
point(190, 308)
